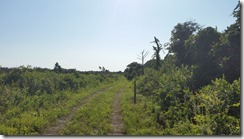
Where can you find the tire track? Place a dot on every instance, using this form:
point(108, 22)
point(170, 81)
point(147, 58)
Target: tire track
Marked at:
point(117, 123)
point(60, 123)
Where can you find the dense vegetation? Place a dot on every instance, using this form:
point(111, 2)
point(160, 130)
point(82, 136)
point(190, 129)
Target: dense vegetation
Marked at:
point(32, 99)
point(196, 90)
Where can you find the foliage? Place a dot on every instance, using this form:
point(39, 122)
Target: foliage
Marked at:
point(57, 67)
point(196, 91)
point(198, 49)
point(132, 70)
point(212, 110)
point(211, 52)
point(219, 105)
point(151, 64)
point(31, 99)
point(227, 51)
point(189, 95)
point(180, 33)
point(137, 118)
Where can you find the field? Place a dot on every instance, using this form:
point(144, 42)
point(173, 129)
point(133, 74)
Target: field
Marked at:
point(193, 89)
point(45, 102)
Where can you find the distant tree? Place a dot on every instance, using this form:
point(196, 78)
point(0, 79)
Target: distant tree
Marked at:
point(57, 67)
point(103, 69)
point(132, 70)
point(151, 64)
point(142, 58)
point(157, 51)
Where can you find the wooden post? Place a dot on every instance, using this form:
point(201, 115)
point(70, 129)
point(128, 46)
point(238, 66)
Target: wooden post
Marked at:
point(135, 92)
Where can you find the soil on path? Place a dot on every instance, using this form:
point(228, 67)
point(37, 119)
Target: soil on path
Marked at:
point(117, 123)
point(55, 129)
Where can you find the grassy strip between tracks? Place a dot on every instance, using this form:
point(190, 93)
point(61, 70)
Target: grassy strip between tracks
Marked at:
point(94, 118)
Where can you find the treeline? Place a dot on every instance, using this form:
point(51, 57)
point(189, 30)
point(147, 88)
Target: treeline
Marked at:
point(33, 98)
point(196, 88)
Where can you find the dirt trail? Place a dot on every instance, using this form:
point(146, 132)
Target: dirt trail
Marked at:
point(117, 123)
point(54, 130)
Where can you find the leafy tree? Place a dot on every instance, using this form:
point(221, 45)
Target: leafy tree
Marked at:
point(151, 64)
point(197, 53)
point(168, 63)
point(188, 94)
point(228, 51)
point(132, 70)
point(180, 33)
point(57, 67)
point(237, 13)
point(103, 69)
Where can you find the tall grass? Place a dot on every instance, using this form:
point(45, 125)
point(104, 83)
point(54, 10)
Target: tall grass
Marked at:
point(138, 118)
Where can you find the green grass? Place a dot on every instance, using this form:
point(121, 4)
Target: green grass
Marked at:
point(138, 118)
point(94, 118)
point(34, 114)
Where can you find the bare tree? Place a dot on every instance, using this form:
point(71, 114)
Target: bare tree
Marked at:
point(157, 50)
point(142, 56)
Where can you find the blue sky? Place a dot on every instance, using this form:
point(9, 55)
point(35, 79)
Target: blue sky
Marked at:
point(86, 34)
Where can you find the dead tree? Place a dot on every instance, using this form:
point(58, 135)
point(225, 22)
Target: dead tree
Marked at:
point(142, 58)
point(157, 50)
